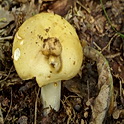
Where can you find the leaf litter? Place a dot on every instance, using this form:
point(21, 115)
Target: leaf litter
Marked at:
point(89, 97)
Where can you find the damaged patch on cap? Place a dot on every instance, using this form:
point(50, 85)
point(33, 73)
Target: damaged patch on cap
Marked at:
point(18, 37)
point(17, 54)
point(21, 43)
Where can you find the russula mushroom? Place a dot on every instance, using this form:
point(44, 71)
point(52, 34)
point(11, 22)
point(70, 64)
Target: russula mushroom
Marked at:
point(47, 47)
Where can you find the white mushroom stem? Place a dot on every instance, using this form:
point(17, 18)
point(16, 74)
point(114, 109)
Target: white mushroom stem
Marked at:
point(50, 95)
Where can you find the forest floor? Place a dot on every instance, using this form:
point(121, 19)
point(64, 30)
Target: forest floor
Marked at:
point(98, 23)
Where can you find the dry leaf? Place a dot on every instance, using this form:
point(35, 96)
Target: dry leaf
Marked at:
point(61, 7)
point(26, 11)
point(5, 18)
point(23, 120)
point(104, 100)
point(118, 113)
point(118, 69)
point(74, 86)
point(100, 24)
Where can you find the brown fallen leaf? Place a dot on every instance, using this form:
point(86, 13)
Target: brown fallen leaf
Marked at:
point(61, 7)
point(74, 86)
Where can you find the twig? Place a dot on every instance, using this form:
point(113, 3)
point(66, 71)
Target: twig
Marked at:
point(99, 48)
point(83, 7)
point(113, 55)
point(121, 91)
point(1, 116)
point(6, 38)
point(7, 75)
point(35, 111)
point(109, 43)
point(88, 90)
point(9, 106)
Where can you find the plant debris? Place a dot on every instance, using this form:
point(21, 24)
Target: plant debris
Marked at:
point(87, 98)
point(104, 101)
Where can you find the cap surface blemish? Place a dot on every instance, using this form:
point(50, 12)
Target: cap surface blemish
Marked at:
point(17, 54)
point(18, 37)
point(21, 43)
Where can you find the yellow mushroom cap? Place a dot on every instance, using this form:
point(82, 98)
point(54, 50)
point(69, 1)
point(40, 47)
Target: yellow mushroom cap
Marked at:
point(47, 47)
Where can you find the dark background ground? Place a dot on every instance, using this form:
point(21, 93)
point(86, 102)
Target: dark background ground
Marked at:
point(20, 99)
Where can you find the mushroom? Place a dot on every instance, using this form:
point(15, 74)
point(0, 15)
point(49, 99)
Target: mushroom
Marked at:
point(47, 47)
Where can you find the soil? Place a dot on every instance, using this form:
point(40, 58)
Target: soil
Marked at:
point(99, 24)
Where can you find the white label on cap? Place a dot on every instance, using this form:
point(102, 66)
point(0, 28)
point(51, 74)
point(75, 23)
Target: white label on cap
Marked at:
point(16, 54)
